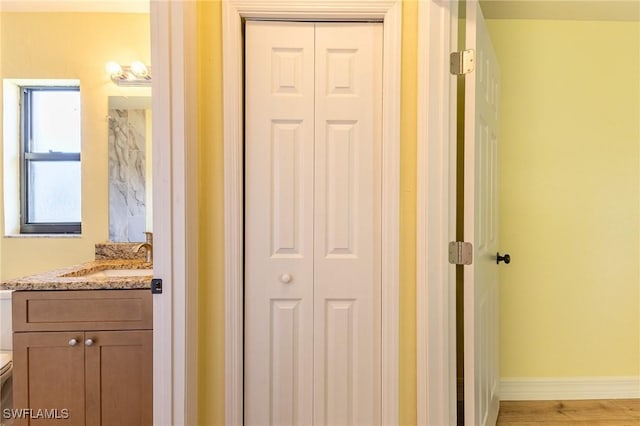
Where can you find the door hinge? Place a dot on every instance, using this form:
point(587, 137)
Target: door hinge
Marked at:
point(460, 253)
point(463, 62)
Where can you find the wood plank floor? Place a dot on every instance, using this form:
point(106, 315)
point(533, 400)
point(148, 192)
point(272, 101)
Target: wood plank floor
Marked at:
point(610, 412)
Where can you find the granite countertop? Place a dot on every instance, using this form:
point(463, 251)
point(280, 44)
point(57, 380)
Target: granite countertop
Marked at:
point(74, 277)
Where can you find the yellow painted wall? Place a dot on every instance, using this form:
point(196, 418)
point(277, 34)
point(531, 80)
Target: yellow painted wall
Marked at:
point(211, 376)
point(73, 46)
point(1, 178)
point(211, 368)
point(408, 182)
point(570, 197)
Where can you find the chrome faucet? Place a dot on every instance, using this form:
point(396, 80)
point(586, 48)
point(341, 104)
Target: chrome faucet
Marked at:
point(148, 245)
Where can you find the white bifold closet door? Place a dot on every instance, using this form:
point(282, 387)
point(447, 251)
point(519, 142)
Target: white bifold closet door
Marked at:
point(313, 99)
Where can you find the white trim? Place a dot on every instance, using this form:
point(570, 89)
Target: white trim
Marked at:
point(567, 388)
point(233, 11)
point(161, 105)
point(187, 198)
point(436, 186)
point(175, 207)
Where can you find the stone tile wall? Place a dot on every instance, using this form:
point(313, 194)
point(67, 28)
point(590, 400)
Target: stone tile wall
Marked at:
point(126, 175)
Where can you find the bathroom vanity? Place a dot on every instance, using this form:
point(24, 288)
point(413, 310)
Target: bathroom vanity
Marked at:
point(83, 344)
point(87, 351)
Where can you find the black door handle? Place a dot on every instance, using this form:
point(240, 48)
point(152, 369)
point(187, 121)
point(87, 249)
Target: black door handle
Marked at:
point(506, 258)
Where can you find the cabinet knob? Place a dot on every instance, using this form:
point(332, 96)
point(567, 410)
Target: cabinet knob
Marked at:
point(88, 342)
point(73, 342)
point(285, 278)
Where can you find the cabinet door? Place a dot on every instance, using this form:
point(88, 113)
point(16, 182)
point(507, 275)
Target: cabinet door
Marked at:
point(48, 378)
point(119, 378)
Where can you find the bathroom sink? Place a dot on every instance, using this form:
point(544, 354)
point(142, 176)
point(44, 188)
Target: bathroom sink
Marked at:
point(120, 273)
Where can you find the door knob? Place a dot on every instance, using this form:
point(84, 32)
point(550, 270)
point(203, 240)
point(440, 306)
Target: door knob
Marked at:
point(506, 258)
point(73, 342)
point(285, 278)
point(88, 342)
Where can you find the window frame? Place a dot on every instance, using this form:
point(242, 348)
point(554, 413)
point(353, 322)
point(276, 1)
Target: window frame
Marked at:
point(27, 157)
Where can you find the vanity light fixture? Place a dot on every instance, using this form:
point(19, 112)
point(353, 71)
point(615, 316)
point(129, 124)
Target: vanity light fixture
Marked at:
point(138, 74)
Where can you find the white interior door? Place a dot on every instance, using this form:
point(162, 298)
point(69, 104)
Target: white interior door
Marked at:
point(312, 223)
point(481, 286)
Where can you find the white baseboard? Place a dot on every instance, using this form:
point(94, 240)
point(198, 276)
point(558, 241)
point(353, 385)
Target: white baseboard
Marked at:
point(568, 388)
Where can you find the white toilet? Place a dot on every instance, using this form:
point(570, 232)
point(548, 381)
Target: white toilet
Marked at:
point(6, 345)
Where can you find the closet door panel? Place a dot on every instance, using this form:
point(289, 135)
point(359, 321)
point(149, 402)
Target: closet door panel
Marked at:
point(279, 223)
point(312, 223)
point(347, 224)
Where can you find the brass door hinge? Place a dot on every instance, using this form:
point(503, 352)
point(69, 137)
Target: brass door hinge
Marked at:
point(463, 62)
point(460, 253)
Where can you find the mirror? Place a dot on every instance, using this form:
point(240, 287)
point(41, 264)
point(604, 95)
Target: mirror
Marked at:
point(45, 42)
point(129, 167)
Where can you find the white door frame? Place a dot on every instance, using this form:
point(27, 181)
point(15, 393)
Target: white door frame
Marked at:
point(175, 212)
point(172, 45)
point(436, 213)
point(233, 12)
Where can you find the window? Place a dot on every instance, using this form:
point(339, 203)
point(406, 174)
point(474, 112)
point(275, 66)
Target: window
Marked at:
point(50, 154)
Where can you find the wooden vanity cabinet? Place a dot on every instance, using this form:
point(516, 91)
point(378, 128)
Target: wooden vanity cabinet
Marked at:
point(48, 374)
point(86, 356)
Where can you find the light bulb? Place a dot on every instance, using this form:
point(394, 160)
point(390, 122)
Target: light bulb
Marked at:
point(114, 69)
point(139, 69)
